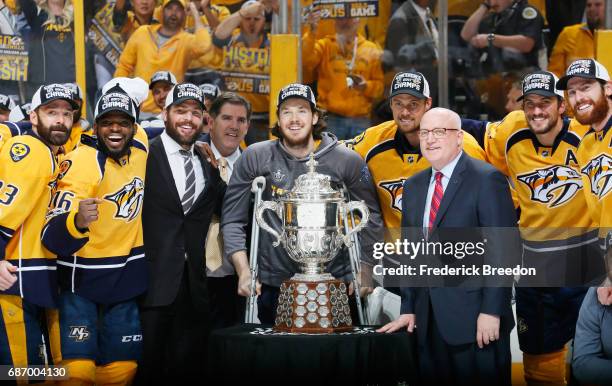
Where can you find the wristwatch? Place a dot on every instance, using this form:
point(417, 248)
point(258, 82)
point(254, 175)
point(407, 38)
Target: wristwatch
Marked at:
point(491, 37)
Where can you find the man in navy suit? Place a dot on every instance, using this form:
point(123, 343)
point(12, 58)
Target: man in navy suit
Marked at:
point(463, 333)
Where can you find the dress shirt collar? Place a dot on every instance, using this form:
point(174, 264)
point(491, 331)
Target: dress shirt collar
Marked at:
point(231, 159)
point(447, 171)
point(171, 146)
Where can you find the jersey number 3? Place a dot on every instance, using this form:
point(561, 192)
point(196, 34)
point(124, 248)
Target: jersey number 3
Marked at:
point(7, 193)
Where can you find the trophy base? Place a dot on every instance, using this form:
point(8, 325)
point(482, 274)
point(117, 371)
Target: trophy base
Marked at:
point(314, 307)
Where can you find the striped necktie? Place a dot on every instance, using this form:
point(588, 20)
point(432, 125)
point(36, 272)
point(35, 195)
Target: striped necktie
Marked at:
point(189, 196)
point(436, 199)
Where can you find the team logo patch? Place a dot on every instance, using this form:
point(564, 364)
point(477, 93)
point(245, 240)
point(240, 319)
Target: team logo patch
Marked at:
point(395, 189)
point(554, 186)
point(365, 175)
point(278, 175)
point(599, 171)
point(529, 13)
point(19, 151)
point(128, 199)
point(79, 333)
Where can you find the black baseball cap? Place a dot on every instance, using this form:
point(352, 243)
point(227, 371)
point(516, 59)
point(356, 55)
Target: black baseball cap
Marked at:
point(6, 103)
point(210, 91)
point(540, 83)
point(296, 90)
point(410, 82)
point(116, 100)
point(184, 92)
point(51, 92)
point(584, 68)
point(162, 76)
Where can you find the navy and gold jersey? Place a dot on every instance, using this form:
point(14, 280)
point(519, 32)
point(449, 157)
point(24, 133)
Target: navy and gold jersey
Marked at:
point(547, 183)
point(78, 129)
point(27, 170)
point(595, 159)
point(105, 263)
point(391, 160)
point(9, 130)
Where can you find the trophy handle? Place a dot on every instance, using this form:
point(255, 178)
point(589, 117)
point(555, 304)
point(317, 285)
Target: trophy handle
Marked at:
point(271, 205)
point(360, 207)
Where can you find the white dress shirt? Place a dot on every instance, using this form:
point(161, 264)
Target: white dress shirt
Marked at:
point(447, 172)
point(177, 165)
point(231, 159)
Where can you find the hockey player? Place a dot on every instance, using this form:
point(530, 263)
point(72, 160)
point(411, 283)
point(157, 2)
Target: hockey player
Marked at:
point(558, 239)
point(94, 226)
point(28, 164)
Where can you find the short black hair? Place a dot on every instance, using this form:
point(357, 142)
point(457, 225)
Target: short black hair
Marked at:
point(228, 97)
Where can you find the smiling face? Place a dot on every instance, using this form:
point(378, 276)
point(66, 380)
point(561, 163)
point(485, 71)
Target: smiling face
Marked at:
point(407, 112)
point(543, 112)
point(184, 122)
point(296, 120)
point(589, 99)
point(115, 131)
point(160, 90)
point(441, 151)
point(229, 128)
point(53, 122)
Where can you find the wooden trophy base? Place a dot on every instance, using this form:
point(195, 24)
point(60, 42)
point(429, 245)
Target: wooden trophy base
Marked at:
point(314, 307)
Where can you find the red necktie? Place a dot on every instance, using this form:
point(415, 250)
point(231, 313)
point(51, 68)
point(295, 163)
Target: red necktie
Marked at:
point(436, 199)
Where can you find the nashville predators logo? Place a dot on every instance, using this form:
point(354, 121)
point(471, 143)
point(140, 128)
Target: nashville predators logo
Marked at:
point(128, 199)
point(19, 151)
point(599, 171)
point(554, 186)
point(395, 188)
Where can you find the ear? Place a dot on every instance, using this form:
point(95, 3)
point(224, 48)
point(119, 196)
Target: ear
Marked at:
point(164, 115)
point(608, 89)
point(428, 103)
point(562, 106)
point(34, 118)
point(315, 118)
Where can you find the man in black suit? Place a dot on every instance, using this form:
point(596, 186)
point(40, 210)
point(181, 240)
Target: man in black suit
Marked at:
point(464, 333)
point(183, 195)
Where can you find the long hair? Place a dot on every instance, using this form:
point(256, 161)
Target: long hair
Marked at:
point(318, 128)
point(64, 20)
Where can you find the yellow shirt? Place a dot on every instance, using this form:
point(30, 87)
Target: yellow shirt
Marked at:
point(142, 57)
point(574, 42)
point(333, 65)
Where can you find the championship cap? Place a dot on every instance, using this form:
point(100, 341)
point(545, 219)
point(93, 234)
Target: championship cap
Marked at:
point(116, 100)
point(162, 76)
point(75, 89)
point(540, 83)
point(49, 93)
point(210, 91)
point(184, 92)
point(584, 68)
point(181, 2)
point(6, 103)
point(296, 90)
point(410, 82)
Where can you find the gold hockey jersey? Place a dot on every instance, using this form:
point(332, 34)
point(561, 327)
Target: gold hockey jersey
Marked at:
point(106, 262)
point(27, 170)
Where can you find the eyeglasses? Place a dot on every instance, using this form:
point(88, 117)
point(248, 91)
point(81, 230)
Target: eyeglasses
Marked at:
point(438, 132)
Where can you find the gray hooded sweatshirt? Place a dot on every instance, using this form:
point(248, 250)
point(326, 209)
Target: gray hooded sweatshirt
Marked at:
point(280, 169)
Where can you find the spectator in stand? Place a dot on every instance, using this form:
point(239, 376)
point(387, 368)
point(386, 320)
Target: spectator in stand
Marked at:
point(161, 84)
point(577, 41)
point(242, 47)
point(412, 42)
point(163, 46)
point(8, 25)
point(51, 42)
point(349, 74)
point(129, 15)
point(507, 35)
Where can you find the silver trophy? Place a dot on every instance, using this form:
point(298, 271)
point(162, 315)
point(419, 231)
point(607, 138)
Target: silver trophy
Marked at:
point(312, 215)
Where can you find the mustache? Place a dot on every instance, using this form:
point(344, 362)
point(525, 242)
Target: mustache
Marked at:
point(58, 127)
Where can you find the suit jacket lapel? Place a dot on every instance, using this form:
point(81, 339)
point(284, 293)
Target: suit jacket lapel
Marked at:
point(211, 179)
point(163, 166)
point(420, 196)
point(452, 188)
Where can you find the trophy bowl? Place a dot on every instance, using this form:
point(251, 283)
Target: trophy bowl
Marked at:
point(313, 218)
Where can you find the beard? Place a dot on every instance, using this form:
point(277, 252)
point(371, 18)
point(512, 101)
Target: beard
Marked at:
point(55, 135)
point(116, 154)
point(173, 132)
point(599, 111)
